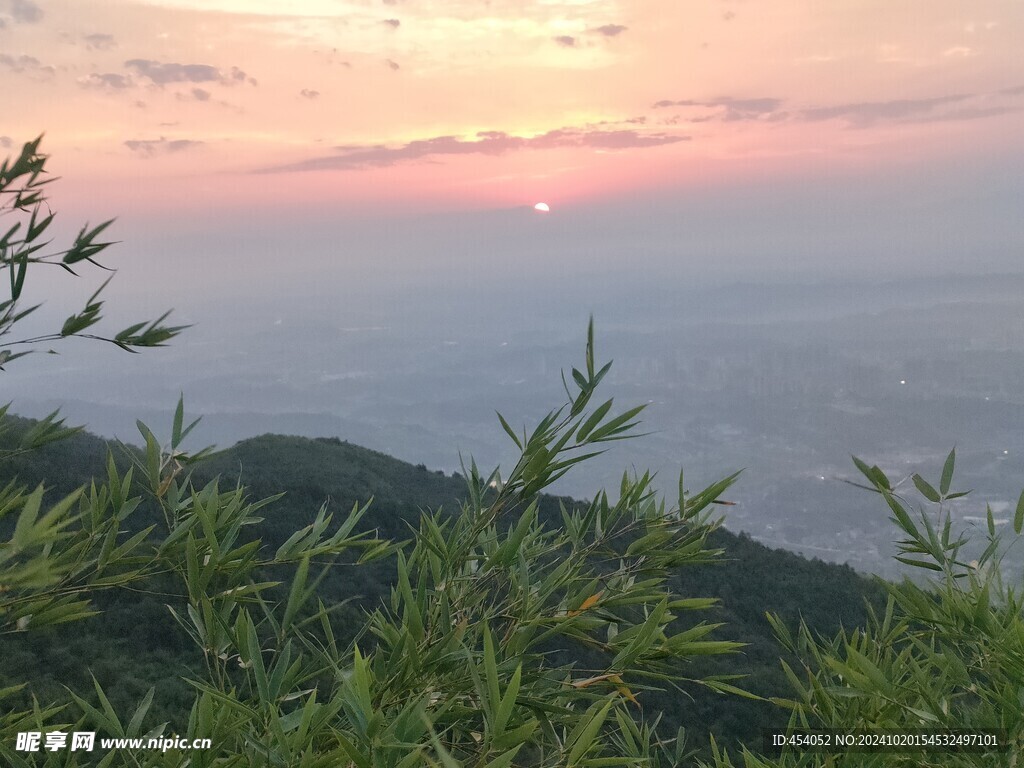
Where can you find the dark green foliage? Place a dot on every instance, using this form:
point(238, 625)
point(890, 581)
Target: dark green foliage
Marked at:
point(474, 656)
point(945, 654)
point(133, 635)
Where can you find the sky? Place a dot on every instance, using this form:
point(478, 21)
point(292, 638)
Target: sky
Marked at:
point(391, 150)
point(200, 108)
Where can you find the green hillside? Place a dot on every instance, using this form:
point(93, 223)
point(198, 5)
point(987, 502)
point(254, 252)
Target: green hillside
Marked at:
point(134, 643)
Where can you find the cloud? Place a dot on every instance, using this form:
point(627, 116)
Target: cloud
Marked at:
point(392, 64)
point(195, 94)
point(566, 40)
point(729, 109)
point(6, 142)
point(743, 104)
point(493, 143)
point(111, 80)
point(161, 146)
point(24, 63)
point(309, 93)
point(25, 11)
point(626, 139)
point(967, 113)
point(609, 30)
point(863, 114)
point(162, 73)
point(99, 42)
point(393, 23)
point(240, 77)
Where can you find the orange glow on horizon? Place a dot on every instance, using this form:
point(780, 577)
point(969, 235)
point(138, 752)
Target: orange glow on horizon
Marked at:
point(182, 105)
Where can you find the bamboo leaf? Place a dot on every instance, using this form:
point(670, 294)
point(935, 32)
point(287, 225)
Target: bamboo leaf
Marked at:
point(588, 734)
point(511, 432)
point(947, 472)
point(926, 490)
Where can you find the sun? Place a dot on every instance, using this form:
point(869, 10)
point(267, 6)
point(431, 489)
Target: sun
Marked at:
point(542, 207)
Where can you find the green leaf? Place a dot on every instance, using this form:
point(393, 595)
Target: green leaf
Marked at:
point(593, 420)
point(901, 515)
point(522, 733)
point(926, 490)
point(505, 759)
point(135, 724)
point(179, 415)
point(510, 431)
point(588, 734)
point(357, 756)
point(508, 701)
point(580, 379)
point(718, 685)
point(919, 563)
point(296, 595)
point(615, 426)
point(256, 657)
point(982, 617)
point(590, 348)
point(491, 671)
point(927, 716)
point(947, 472)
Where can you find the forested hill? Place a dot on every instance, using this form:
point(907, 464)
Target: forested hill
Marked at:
point(133, 644)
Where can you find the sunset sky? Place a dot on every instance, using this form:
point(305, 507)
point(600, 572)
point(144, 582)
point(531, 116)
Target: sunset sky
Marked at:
point(152, 107)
